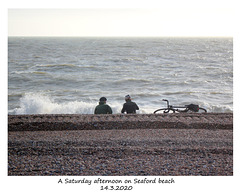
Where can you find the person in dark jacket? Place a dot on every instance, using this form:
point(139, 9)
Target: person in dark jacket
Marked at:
point(103, 108)
point(129, 106)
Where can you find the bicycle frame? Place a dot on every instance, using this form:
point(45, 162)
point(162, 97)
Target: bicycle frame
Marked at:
point(174, 108)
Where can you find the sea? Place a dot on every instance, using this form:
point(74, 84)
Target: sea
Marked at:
point(68, 75)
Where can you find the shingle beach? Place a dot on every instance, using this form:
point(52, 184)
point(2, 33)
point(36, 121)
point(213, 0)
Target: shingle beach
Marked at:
point(122, 145)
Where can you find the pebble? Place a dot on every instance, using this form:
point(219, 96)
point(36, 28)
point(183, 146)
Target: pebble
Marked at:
point(149, 151)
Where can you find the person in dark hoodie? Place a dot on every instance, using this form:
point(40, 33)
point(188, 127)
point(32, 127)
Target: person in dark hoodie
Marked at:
point(129, 106)
point(103, 108)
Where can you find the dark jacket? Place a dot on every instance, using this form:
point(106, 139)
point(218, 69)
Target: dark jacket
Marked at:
point(129, 107)
point(103, 108)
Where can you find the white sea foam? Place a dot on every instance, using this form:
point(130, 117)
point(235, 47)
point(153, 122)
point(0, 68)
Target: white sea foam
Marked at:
point(33, 103)
point(41, 104)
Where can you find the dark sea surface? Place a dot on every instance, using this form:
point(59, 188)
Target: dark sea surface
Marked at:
point(50, 75)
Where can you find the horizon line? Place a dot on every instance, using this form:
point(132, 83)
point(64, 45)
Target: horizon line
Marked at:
point(193, 36)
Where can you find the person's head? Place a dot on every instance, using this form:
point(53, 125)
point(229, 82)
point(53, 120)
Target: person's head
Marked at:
point(127, 98)
point(103, 99)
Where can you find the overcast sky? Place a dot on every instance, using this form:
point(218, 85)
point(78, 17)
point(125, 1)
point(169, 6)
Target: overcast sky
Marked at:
point(160, 21)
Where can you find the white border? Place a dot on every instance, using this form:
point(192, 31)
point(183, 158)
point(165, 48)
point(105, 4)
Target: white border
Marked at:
point(16, 183)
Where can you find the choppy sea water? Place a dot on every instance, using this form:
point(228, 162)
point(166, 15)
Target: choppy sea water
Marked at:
point(50, 75)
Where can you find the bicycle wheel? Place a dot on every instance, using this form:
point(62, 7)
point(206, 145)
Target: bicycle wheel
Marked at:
point(161, 110)
point(202, 110)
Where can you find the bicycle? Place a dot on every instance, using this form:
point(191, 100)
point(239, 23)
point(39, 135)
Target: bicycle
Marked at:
point(181, 109)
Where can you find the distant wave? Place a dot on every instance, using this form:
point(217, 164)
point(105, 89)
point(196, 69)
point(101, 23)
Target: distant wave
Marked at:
point(131, 80)
point(57, 65)
point(40, 72)
point(180, 93)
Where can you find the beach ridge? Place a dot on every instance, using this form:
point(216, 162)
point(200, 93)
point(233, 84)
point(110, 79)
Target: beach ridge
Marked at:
point(53, 122)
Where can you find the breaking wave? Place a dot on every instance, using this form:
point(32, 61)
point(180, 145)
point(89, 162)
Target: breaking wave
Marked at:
point(42, 104)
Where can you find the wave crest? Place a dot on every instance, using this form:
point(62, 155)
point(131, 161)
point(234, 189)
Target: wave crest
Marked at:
point(36, 103)
point(41, 104)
